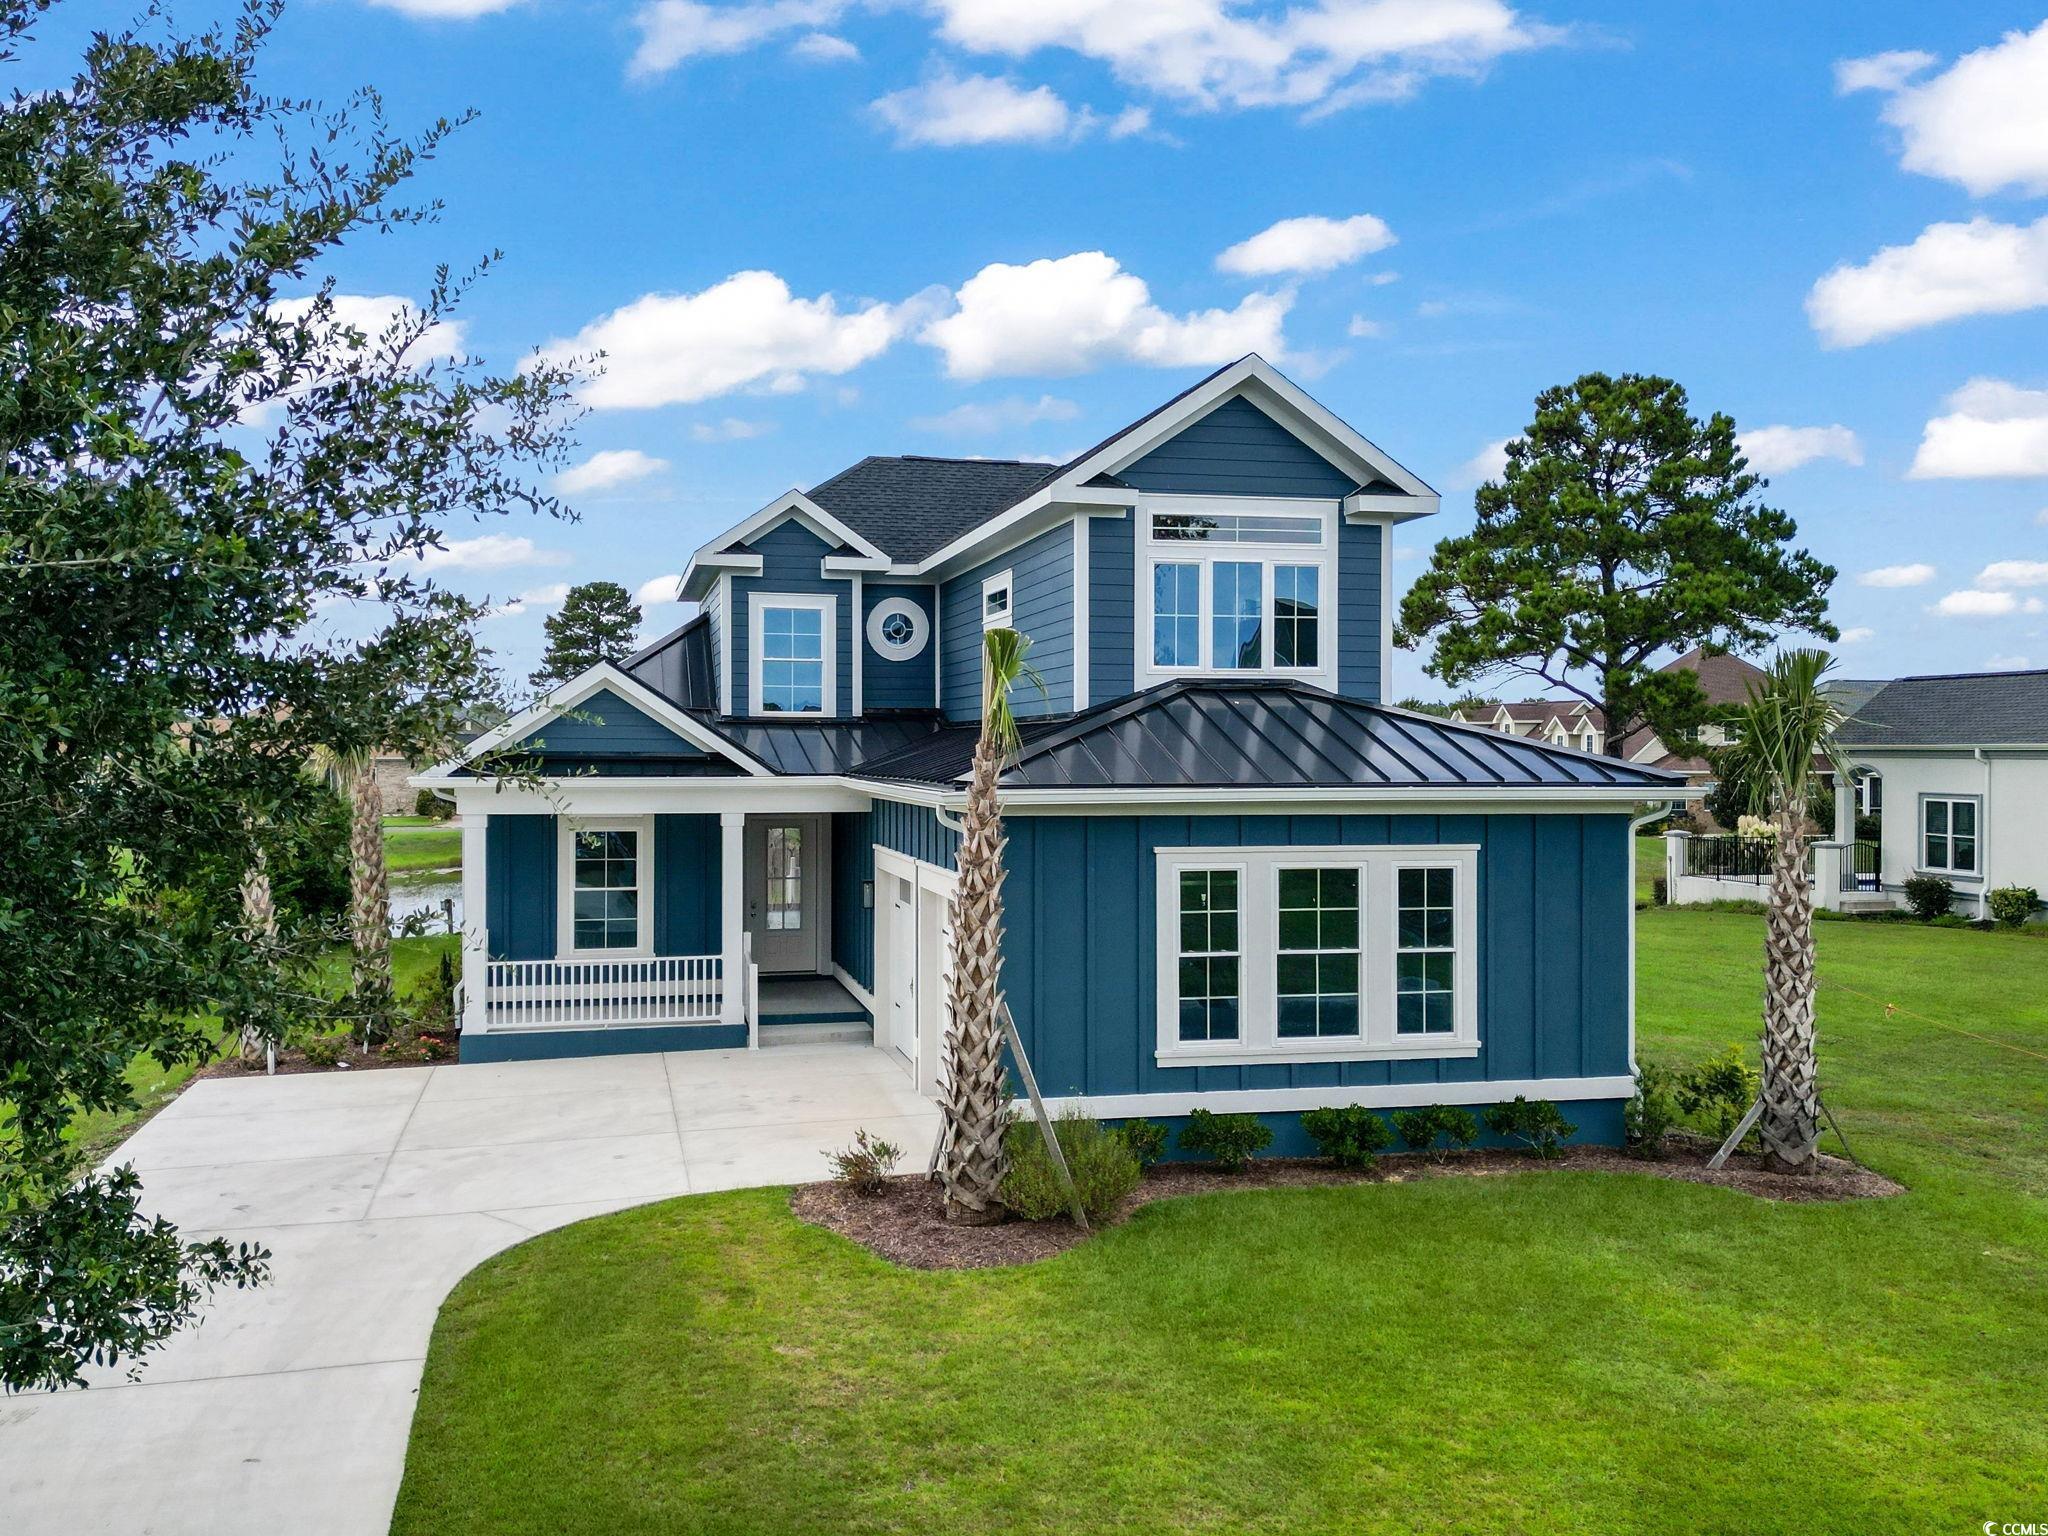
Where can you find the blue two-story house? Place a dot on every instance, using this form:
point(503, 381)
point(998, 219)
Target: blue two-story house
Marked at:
point(1236, 877)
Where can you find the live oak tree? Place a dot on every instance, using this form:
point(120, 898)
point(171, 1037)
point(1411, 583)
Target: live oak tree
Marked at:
point(216, 472)
point(597, 622)
point(1622, 527)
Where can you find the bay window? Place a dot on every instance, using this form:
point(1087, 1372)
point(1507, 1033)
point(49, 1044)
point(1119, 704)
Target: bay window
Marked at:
point(1247, 590)
point(1303, 954)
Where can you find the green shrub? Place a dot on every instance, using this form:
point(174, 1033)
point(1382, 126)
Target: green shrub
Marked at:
point(1228, 1141)
point(1535, 1122)
point(412, 1043)
point(1146, 1139)
point(430, 804)
point(1420, 1128)
point(1929, 896)
point(865, 1166)
point(1718, 1091)
point(1653, 1111)
point(1104, 1167)
point(1349, 1136)
point(309, 871)
point(1869, 829)
point(2013, 904)
point(1660, 891)
point(325, 1050)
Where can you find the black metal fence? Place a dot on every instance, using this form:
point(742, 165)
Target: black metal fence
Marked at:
point(1728, 857)
point(1861, 873)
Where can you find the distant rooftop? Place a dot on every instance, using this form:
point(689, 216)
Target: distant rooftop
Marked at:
point(1962, 709)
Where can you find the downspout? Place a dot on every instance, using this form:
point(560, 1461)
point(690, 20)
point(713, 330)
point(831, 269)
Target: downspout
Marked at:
point(1984, 838)
point(1634, 830)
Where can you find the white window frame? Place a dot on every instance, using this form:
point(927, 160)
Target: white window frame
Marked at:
point(1000, 582)
point(1258, 1039)
point(565, 884)
point(1951, 869)
point(1323, 555)
point(823, 602)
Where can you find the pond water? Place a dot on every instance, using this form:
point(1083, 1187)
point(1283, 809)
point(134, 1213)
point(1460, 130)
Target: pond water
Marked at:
point(424, 894)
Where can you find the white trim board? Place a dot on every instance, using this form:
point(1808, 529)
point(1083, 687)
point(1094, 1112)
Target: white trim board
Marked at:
point(790, 504)
point(1273, 1101)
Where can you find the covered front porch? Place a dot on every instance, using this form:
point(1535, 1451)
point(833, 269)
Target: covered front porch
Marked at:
point(602, 927)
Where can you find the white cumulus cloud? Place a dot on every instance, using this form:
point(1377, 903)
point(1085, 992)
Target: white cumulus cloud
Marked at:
point(950, 109)
point(1067, 315)
point(979, 418)
point(659, 590)
point(729, 429)
point(1362, 329)
point(1950, 271)
point(446, 10)
point(1880, 71)
point(1993, 429)
point(746, 332)
point(1982, 122)
point(824, 48)
point(2007, 664)
point(1489, 463)
point(2014, 573)
point(1309, 244)
point(1773, 450)
point(1857, 634)
point(1974, 603)
point(489, 552)
point(1916, 575)
point(549, 596)
point(611, 467)
point(674, 30)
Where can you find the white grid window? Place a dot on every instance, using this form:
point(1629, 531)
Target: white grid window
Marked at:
point(1950, 840)
point(1426, 952)
point(1236, 591)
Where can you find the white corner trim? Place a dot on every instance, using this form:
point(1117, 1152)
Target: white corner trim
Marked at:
point(724, 620)
point(1275, 1101)
point(824, 603)
point(856, 638)
point(1385, 695)
point(1084, 615)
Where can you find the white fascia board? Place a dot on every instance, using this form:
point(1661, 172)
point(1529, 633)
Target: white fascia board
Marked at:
point(1385, 1096)
point(567, 696)
point(1203, 802)
point(789, 504)
point(858, 565)
point(593, 795)
point(1026, 520)
point(1363, 505)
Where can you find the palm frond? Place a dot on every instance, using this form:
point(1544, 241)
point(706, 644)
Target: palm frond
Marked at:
point(1003, 667)
point(1781, 728)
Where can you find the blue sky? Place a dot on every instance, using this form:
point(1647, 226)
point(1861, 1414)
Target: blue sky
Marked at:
point(1815, 217)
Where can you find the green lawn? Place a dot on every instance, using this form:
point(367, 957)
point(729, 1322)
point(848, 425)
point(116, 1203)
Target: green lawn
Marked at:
point(1649, 864)
point(155, 1085)
point(1545, 1353)
point(430, 845)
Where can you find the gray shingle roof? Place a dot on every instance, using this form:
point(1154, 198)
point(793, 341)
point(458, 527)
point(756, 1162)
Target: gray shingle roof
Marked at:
point(1211, 733)
point(912, 507)
point(1963, 709)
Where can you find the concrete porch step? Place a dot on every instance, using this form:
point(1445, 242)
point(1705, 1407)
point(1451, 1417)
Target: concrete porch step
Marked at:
point(820, 1032)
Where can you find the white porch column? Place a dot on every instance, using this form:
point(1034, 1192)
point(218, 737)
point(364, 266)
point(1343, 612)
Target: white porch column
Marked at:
point(732, 906)
point(1845, 810)
point(1674, 863)
point(475, 925)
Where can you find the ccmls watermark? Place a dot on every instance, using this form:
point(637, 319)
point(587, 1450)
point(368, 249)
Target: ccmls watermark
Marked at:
point(2016, 1528)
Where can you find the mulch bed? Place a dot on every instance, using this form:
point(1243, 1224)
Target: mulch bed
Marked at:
point(907, 1224)
point(293, 1063)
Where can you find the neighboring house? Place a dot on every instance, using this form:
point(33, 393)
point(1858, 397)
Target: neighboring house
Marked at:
point(1561, 722)
point(1235, 879)
point(1724, 680)
point(1959, 762)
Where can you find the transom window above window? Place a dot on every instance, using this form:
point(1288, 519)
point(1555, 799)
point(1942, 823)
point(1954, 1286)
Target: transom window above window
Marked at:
point(1950, 843)
point(1235, 528)
point(1235, 592)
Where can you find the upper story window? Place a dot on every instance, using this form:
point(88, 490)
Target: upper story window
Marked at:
point(1949, 841)
point(792, 666)
point(995, 601)
point(1236, 591)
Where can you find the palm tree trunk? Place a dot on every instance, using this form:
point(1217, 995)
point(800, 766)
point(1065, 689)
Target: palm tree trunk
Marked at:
point(259, 916)
point(975, 1112)
point(1790, 1124)
point(369, 905)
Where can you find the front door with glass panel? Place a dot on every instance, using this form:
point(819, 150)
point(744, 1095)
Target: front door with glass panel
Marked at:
point(785, 891)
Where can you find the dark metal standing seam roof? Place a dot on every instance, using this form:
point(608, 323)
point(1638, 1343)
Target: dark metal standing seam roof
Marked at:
point(823, 746)
point(1953, 710)
point(1266, 734)
point(912, 507)
point(678, 665)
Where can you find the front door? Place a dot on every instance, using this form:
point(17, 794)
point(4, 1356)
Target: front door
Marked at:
point(786, 891)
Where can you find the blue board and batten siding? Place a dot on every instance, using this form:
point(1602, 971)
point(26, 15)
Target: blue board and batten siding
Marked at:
point(853, 911)
point(791, 562)
point(1236, 450)
point(1360, 549)
point(605, 723)
point(1041, 606)
point(1081, 974)
point(1112, 608)
point(521, 918)
point(915, 832)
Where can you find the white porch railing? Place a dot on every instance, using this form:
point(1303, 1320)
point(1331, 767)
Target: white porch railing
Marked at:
point(571, 994)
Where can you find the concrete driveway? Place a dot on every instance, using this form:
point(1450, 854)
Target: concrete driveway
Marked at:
point(286, 1411)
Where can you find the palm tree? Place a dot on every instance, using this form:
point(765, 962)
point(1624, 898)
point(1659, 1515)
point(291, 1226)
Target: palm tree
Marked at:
point(1777, 734)
point(369, 887)
point(259, 917)
point(974, 1106)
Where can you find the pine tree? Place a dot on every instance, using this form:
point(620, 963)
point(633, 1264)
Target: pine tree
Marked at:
point(597, 622)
